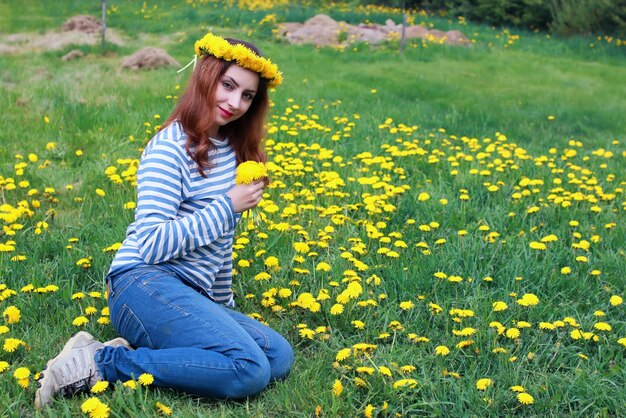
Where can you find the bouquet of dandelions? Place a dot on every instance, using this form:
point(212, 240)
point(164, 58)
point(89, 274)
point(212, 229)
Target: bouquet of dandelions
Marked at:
point(249, 172)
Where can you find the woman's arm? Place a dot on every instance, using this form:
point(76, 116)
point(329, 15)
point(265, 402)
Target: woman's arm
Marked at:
point(161, 234)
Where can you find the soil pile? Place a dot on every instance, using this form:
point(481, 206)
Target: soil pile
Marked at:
point(148, 58)
point(322, 30)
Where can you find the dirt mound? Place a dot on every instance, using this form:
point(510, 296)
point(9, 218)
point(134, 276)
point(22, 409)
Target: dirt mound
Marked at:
point(148, 58)
point(81, 23)
point(26, 43)
point(73, 54)
point(322, 30)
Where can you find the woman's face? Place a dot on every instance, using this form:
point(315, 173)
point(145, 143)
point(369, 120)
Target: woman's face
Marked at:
point(233, 96)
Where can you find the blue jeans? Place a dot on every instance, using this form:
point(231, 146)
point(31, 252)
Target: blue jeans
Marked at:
point(186, 341)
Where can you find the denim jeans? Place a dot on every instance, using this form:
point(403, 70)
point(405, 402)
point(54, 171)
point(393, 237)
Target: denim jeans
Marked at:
point(187, 341)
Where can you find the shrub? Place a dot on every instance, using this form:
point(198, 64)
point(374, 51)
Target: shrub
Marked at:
point(563, 17)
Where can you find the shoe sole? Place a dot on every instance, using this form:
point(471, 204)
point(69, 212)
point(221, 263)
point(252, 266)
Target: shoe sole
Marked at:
point(66, 349)
point(118, 342)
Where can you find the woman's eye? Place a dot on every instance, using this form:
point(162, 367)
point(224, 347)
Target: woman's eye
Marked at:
point(227, 85)
point(248, 96)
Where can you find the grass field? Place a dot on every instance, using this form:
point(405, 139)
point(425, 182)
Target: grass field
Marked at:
point(443, 235)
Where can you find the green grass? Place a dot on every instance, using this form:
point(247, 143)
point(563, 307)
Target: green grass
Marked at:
point(473, 118)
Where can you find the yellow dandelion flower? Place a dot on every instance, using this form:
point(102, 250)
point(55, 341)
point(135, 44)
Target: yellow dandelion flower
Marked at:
point(602, 326)
point(525, 398)
point(23, 383)
point(250, 171)
point(442, 350)
point(358, 324)
point(528, 299)
point(80, 321)
point(337, 309)
point(90, 404)
point(164, 409)
point(365, 370)
point(385, 371)
point(343, 354)
point(307, 333)
point(130, 384)
point(103, 320)
point(423, 196)
point(482, 384)
point(405, 383)
point(101, 410)
point(408, 368)
point(538, 246)
point(301, 247)
point(576, 334)
point(21, 373)
point(12, 344)
point(435, 308)
point(4, 366)
point(518, 389)
point(99, 387)
point(407, 305)
point(499, 306)
point(512, 333)
point(146, 379)
point(464, 343)
point(616, 300)
point(27, 288)
point(51, 288)
point(322, 267)
point(12, 314)
point(271, 262)
point(622, 341)
point(465, 332)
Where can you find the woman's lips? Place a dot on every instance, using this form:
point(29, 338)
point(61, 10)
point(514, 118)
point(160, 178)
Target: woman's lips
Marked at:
point(225, 113)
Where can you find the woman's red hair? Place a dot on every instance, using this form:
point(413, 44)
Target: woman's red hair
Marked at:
point(194, 111)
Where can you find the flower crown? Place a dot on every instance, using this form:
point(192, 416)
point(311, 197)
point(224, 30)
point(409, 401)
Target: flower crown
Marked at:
point(244, 57)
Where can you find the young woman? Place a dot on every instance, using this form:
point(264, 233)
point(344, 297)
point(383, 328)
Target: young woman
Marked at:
point(169, 285)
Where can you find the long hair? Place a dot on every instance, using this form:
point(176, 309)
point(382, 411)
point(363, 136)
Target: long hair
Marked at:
point(195, 111)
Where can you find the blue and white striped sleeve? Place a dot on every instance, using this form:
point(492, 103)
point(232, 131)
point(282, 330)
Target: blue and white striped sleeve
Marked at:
point(162, 234)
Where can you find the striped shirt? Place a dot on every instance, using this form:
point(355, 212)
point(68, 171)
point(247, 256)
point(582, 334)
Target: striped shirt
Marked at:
point(183, 222)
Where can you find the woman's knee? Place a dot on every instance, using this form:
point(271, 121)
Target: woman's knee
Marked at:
point(281, 359)
point(253, 375)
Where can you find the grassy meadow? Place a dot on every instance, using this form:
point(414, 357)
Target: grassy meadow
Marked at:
point(443, 235)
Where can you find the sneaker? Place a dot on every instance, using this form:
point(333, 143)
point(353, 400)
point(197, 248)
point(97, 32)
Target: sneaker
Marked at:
point(72, 371)
point(118, 342)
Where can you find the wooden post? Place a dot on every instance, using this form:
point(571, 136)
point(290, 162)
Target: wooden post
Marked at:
point(104, 23)
point(402, 38)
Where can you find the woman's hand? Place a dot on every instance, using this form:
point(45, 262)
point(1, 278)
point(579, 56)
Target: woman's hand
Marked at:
point(246, 196)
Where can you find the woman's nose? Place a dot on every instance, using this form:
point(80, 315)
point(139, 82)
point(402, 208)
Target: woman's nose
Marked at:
point(234, 101)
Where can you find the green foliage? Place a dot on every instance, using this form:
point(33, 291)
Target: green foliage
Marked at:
point(563, 17)
point(588, 17)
